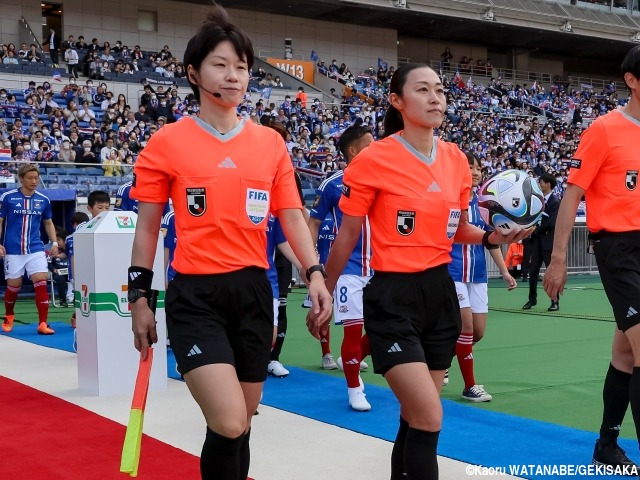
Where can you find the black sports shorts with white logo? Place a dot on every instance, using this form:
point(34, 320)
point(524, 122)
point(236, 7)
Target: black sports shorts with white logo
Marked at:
point(412, 317)
point(618, 259)
point(222, 318)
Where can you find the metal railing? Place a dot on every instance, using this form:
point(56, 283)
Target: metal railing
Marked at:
point(578, 260)
point(25, 27)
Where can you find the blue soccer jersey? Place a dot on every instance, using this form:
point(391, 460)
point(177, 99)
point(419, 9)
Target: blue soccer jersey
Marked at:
point(23, 217)
point(326, 236)
point(468, 263)
point(68, 244)
point(275, 236)
point(124, 202)
point(327, 198)
point(168, 229)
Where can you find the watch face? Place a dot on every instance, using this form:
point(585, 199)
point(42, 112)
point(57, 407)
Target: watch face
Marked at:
point(133, 295)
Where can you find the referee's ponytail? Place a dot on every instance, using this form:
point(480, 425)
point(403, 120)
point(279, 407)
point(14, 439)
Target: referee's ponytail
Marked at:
point(393, 121)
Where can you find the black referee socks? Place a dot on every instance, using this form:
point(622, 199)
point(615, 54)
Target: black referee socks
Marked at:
point(220, 458)
point(397, 454)
point(615, 398)
point(420, 454)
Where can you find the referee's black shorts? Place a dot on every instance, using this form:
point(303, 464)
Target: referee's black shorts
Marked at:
point(618, 259)
point(412, 317)
point(222, 318)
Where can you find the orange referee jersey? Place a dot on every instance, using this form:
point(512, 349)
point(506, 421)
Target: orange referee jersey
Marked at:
point(222, 187)
point(606, 166)
point(413, 202)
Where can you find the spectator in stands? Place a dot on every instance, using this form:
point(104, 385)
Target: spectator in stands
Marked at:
point(10, 58)
point(85, 113)
point(24, 50)
point(87, 155)
point(106, 55)
point(446, 58)
point(165, 53)
point(141, 115)
point(66, 153)
point(48, 104)
point(99, 97)
point(71, 112)
point(105, 152)
point(277, 82)
point(302, 96)
point(137, 53)
point(72, 59)
point(94, 66)
point(53, 41)
point(33, 55)
point(112, 166)
point(94, 47)
point(267, 80)
point(81, 44)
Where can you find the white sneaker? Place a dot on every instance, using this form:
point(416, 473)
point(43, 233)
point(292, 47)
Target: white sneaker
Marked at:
point(476, 393)
point(357, 400)
point(276, 369)
point(363, 364)
point(328, 363)
point(307, 302)
point(445, 380)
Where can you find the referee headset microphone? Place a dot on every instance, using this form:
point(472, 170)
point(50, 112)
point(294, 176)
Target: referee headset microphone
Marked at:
point(192, 77)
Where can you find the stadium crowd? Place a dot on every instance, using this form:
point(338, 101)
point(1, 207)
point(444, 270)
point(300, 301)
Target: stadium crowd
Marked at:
point(506, 125)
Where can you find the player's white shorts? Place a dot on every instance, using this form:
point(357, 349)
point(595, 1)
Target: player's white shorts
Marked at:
point(276, 306)
point(347, 298)
point(474, 296)
point(16, 265)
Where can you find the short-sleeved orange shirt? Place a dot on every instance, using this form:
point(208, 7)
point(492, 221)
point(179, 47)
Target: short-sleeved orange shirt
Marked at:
point(413, 202)
point(222, 187)
point(606, 166)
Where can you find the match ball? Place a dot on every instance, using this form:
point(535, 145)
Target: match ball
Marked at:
point(510, 200)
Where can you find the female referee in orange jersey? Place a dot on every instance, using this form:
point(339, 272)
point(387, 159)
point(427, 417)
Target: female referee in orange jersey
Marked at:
point(225, 175)
point(415, 189)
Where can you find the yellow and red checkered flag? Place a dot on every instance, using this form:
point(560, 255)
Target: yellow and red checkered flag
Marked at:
point(133, 438)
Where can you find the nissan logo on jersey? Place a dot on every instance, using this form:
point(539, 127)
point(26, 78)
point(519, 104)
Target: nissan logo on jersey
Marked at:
point(406, 222)
point(197, 201)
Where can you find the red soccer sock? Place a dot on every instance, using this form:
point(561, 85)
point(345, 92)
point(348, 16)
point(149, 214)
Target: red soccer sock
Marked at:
point(351, 353)
point(324, 342)
point(42, 300)
point(365, 348)
point(464, 352)
point(10, 297)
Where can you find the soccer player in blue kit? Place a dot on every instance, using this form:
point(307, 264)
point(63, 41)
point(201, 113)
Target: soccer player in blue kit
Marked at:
point(23, 210)
point(348, 293)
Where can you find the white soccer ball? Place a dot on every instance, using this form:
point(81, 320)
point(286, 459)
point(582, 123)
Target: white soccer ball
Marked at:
point(510, 200)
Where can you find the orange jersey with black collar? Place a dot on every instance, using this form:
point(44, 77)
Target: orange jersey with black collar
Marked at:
point(222, 187)
point(413, 202)
point(606, 166)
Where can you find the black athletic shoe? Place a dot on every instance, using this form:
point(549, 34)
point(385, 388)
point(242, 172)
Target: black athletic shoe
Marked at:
point(614, 456)
point(529, 304)
point(554, 307)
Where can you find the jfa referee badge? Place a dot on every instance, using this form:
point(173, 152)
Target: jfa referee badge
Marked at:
point(406, 222)
point(453, 222)
point(632, 179)
point(197, 201)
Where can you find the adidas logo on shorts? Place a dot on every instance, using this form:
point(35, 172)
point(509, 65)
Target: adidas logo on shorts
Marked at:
point(194, 351)
point(395, 348)
point(631, 312)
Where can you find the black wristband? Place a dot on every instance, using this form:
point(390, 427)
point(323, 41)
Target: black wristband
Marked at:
point(140, 277)
point(485, 242)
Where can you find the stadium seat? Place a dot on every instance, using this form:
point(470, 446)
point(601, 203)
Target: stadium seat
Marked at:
point(56, 171)
point(92, 171)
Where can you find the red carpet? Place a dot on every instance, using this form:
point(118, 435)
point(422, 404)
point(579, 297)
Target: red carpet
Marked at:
point(44, 437)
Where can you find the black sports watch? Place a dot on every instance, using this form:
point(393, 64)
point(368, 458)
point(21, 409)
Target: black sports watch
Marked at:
point(316, 268)
point(134, 294)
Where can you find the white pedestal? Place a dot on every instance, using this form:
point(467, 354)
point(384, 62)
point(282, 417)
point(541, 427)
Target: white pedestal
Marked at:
point(107, 359)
